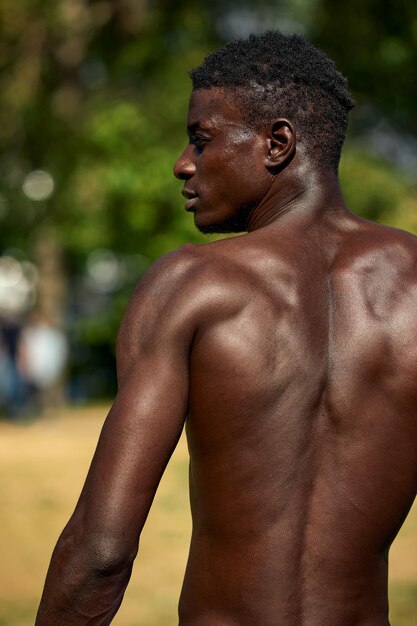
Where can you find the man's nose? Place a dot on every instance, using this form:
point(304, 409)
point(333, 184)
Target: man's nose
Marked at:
point(184, 167)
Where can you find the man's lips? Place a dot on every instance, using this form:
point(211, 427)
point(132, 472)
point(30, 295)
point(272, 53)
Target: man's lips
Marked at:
point(190, 203)
point(191, 199)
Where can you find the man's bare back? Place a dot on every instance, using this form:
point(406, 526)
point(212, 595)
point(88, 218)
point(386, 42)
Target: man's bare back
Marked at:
point(302, 424)
point(288, 352)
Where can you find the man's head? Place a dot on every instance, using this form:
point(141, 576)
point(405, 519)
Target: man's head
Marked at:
point(271, 86)
point(273, 75)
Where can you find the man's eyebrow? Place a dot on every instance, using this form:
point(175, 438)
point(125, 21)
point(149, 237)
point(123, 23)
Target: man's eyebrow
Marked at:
point(194, 126)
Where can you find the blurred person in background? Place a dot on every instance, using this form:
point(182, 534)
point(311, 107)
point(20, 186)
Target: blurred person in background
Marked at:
point(290, 353)
point(13, 388)
point(43, 353)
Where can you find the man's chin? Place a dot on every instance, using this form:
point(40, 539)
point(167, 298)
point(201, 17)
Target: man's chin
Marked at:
point(220, 229)
point(236, 224)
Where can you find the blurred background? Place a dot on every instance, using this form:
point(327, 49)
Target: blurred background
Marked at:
point(92, 118)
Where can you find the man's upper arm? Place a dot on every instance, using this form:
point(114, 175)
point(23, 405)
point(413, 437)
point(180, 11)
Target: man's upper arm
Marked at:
point(146, 419)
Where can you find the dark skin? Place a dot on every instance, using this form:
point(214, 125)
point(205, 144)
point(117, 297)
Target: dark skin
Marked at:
point(290, 354)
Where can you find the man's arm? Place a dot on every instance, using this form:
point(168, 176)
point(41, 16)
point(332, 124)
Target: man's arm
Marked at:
point(92, 561)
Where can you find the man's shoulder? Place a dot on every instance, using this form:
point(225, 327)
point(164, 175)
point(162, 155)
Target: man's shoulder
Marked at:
point(378, 266)
point(172, 266)
point(163, 303)
point(193, 263)
point(212, 281)
point(379, 247)
point(385, 234)
point(188, 279)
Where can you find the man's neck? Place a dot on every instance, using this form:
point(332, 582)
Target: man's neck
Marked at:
point(313, 196)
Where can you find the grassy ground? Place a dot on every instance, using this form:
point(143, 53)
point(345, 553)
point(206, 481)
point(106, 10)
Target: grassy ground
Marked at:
point(42, 467)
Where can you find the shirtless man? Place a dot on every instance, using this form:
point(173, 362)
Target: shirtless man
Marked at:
point(290, 352)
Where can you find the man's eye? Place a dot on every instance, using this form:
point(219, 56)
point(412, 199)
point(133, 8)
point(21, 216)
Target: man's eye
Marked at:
point(199, 140)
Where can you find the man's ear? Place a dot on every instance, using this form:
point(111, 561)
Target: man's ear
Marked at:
point(281, 143)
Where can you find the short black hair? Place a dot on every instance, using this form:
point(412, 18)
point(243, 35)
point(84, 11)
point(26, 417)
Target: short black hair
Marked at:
point(276, 75)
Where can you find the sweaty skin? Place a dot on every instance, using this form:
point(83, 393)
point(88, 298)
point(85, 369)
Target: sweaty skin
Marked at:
point(290, 353)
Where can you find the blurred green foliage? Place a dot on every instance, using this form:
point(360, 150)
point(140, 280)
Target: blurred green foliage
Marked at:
point(375, 44)
point(95, 93)
point(377, 191)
